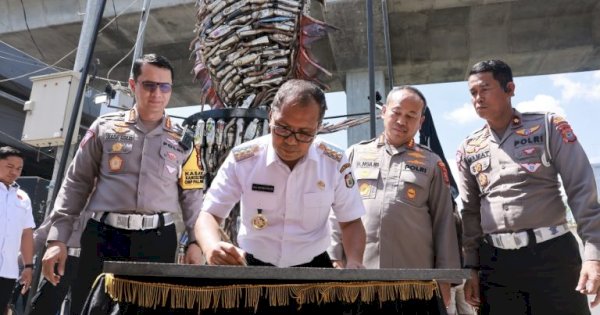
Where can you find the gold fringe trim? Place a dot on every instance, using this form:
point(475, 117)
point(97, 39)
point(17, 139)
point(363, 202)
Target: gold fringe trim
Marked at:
point(152, 295)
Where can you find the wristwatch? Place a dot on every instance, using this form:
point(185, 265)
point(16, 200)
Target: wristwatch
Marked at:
point(28, 266)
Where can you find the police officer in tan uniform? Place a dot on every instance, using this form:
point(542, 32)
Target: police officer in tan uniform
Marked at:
point(405, 190)
point(128, 165)
point(514, 220)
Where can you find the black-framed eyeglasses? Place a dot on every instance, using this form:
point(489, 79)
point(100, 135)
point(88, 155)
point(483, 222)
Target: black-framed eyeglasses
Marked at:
point(285, 132)
point(151, 86)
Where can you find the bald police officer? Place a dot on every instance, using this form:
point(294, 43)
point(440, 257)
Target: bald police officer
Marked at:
point(515, 229)
point(405, 190)
point(128, 166)
point(287, 183)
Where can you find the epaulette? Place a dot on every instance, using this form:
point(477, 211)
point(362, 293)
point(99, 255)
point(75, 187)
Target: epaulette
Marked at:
point(243, 152)
point(331, 151)
point(113, 116)
point(535, 113)
point(367, 141)
point(424, 147)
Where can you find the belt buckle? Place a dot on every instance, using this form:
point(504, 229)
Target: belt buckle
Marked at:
point(136, 222)
point(520, 242)
point(148, 222)
point(509, 241)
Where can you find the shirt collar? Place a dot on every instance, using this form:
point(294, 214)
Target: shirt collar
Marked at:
point(133, 117)
point(272, 156)
point(391, 149)
point(14, 185)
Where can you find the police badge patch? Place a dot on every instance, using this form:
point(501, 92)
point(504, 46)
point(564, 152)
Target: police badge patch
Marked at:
point(349, 179)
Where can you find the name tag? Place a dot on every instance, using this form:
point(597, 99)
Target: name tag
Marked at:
point(265, 188)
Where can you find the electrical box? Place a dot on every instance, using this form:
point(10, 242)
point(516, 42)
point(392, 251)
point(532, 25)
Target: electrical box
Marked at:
point(121, 101)
point(49, 109)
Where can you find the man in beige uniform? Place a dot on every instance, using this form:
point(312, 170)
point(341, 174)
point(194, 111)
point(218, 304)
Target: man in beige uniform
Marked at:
point(405, 190)
point(514, 220)
point(128, 165)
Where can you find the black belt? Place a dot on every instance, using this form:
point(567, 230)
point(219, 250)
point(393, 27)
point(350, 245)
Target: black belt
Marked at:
point(320, 261)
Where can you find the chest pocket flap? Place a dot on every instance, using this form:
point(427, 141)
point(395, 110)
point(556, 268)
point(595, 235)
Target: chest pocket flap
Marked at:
point(366, 173)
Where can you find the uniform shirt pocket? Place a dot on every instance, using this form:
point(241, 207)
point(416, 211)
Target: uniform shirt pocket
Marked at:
point(367, 179)
point(116, 155)
point(171, 161)
point(414, 188)
point(316, 209)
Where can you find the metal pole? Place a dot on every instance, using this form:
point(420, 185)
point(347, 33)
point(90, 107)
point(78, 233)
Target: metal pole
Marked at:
point(85, 50)
point(387, 43)
point(139, 41)
point(370, 58)
point(79, 95)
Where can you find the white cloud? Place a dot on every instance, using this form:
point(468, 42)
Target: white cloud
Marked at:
point(541, 103)
point(571, 89)
point(462, 115)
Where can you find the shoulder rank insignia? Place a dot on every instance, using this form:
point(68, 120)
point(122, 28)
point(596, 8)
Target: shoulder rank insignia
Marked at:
point(245, 152)
point(331, 151)
point(516, 120)
point(132, 115)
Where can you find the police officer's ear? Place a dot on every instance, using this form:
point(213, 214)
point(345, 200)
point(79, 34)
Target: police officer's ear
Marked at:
point(510, 88)
point(422, 121)
point(132, 84)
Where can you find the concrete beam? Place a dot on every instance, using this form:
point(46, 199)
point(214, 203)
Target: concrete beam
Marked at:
point(431, 40)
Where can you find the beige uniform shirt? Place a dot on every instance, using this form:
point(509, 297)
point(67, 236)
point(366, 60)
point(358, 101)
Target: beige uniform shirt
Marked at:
point(506, 186)
point(409, 220)
point(133, 170)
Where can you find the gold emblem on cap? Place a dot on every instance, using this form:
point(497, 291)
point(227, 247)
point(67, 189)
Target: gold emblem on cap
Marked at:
point(117, 147)
point(321, 184)
point(259, 221)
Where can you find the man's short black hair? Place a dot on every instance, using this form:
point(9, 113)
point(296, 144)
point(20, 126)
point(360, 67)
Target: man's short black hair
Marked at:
point(300, 91)
point(6, 152)
point(152, 59)
point(500, 71)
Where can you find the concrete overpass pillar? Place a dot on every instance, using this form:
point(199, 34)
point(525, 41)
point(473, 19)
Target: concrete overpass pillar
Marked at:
point(357, 100)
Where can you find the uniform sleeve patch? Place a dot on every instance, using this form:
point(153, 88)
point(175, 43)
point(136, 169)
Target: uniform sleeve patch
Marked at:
point(349, 179)
point(192, 175)
point(444, 170)
point(344, 167)
point(88, 135)
point(566, 132)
